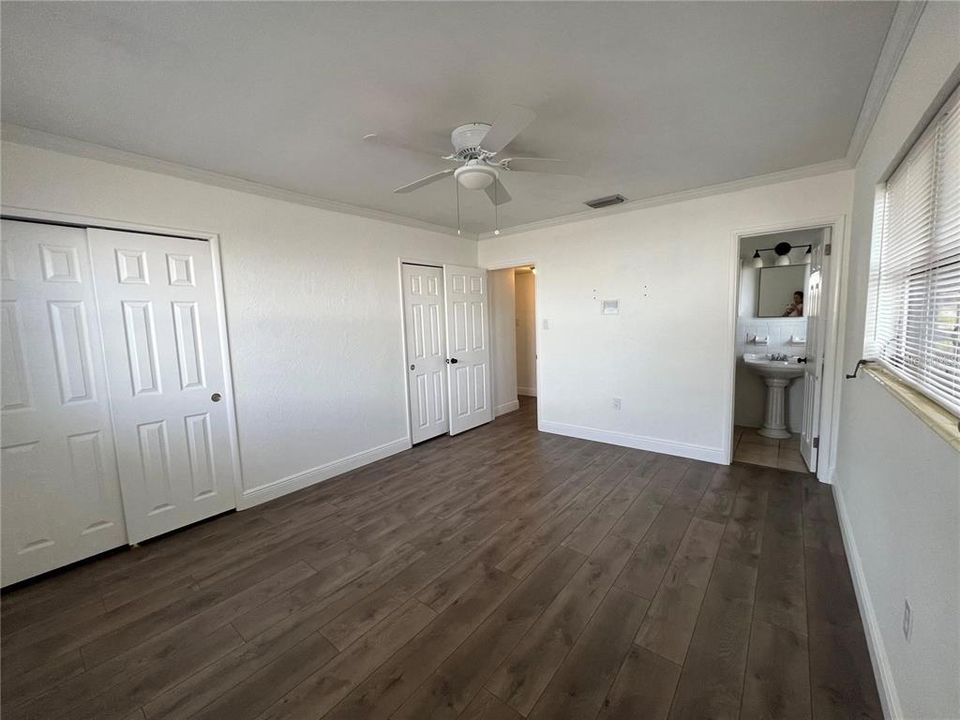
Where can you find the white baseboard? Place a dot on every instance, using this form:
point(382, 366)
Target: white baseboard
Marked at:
point(298, 481)
point(878, 653)
point(640, 442)
point(506, 407)
point(528, 392)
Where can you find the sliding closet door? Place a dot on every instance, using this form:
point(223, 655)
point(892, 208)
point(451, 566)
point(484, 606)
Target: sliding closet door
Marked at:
point(165, 368)
point(60, 492)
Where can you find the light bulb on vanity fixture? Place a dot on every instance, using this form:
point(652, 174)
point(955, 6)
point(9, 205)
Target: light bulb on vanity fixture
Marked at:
point(783, 253)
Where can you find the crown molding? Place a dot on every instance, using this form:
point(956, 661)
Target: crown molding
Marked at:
point(902, 26)
point(20, 135)
point(824, 168)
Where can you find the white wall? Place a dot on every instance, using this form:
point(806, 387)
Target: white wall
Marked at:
point(898, 483)
point(526, 334)
point(669, 353)
point(313, 307)
point(503, 320)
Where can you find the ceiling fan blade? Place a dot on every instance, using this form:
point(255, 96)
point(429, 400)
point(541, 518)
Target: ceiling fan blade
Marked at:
point(497, 193)
point(416, 185)
point(507, 126)
point(389, 142)
point(553, 166)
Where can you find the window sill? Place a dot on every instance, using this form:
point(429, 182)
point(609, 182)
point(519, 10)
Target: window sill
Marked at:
point(941, 421)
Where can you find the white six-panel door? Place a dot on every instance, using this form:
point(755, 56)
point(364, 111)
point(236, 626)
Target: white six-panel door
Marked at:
point(165, 368)
point(468, 347)
point(60, 490)
point(813, 369)
point(423, 310)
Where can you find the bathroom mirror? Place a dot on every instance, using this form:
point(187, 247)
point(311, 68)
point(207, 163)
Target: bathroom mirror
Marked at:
point(781, 291)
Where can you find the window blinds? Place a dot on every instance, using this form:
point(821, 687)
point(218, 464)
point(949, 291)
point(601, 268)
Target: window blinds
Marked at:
point(916, 273)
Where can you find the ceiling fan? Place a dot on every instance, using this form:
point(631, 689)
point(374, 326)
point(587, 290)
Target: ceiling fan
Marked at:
point(476, 147)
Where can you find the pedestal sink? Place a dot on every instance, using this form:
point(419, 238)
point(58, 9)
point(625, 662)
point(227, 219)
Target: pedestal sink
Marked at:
point(777, 374)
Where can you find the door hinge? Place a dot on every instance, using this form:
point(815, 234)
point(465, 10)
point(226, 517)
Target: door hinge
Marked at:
point(816, 442)
point(828, 249)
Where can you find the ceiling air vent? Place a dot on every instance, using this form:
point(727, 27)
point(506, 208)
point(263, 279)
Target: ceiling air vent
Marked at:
point(606, 201)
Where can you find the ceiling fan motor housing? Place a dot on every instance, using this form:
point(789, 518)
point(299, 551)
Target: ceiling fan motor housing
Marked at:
point(467, 138)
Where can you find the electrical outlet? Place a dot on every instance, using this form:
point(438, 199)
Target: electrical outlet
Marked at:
point(616, 403)
point(546, 324)
point(907, 621)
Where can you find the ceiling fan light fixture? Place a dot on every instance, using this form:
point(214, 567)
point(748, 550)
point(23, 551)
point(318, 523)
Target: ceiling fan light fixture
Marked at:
point(475, 177)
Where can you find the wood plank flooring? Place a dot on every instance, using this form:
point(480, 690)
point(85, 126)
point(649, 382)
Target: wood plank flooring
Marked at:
point(500, 574)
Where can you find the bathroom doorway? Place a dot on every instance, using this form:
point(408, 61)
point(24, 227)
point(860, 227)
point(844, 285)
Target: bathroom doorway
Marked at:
point(525, 307)
point(782, 324)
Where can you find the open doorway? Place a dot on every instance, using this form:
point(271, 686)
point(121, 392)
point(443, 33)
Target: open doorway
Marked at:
point(514, 329)
point(781, 329)
point(525, 279)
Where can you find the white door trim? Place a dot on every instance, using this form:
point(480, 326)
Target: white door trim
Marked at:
point(520, 262)
point(833, 336)
point(31, 214)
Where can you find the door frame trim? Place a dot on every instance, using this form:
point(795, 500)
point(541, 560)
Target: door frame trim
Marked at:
point(833, 334)
point(9, 212)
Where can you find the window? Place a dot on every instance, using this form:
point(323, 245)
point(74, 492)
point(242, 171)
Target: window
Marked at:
point(915, 264)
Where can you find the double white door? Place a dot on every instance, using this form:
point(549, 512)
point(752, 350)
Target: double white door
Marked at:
point(446, 313)
point(111, 358)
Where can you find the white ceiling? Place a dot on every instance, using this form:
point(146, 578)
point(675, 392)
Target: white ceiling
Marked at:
point(645, 98)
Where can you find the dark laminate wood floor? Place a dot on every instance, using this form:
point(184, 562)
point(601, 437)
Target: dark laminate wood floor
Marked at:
point(498, 574)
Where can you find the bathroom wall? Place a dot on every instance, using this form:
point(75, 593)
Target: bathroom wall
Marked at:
point(750, 395)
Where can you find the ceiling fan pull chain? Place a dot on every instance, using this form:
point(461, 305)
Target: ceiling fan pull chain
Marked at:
point(459, 226)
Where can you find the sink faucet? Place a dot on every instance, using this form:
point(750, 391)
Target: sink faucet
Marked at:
point(779, 356)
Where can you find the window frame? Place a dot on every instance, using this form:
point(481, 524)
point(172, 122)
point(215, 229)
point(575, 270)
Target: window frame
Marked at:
point(927, 328)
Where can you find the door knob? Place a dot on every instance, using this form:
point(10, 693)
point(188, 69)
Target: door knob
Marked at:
point(801, 360)
point(216, 397)
point(452, 361)
point(413, 367)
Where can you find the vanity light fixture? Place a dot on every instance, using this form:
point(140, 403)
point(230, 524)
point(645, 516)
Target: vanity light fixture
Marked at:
point(783, 251)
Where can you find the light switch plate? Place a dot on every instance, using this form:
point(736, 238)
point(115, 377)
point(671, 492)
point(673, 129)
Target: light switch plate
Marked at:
point(610, 307)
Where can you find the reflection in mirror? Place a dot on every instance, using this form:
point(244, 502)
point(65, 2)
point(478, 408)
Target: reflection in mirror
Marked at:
point(781, 291)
